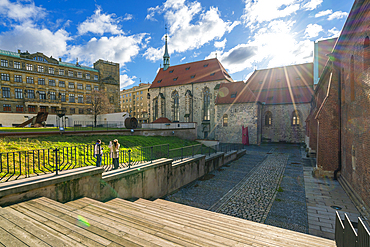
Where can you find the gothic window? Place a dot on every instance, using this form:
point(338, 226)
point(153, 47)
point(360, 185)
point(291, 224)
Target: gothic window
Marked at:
point(206, 104)
point(295, 119)
point(366, 54)
point(268, 119)
point(188, 106)
point(163, 107)
point(224, 120)
point(352, 78)
point(175, 106)
point(155, 113)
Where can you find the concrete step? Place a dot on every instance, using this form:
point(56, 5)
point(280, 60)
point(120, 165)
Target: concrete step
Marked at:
point(224, 234)
point(240, 224)
point(169, 230)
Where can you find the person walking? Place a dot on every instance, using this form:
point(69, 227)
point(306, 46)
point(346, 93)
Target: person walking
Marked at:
point(98, 152)
point(114, 153)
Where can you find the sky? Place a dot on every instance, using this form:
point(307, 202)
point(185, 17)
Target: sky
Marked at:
point(243, 34)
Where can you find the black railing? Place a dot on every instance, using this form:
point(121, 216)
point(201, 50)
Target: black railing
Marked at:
point(24, 164)
point(99, 125)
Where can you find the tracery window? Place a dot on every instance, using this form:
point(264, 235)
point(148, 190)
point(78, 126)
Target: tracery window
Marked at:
point(206, 104)
point(225, 119)
point(175, 106)
point(366, 54)
point(352, 78)
point(268, 118)
point(295, 119)
point(155, 113)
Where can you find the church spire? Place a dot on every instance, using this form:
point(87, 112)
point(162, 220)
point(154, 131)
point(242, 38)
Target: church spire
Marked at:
point(166, 57)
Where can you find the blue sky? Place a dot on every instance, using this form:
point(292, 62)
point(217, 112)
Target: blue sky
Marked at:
point(245, 34)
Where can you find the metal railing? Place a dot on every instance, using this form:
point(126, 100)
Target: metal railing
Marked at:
point(346, 234)
point(24, 164)
point(99, 125)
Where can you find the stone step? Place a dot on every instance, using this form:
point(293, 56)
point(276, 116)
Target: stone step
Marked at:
point(188, 235)
point(233, 222)
point(249, 238)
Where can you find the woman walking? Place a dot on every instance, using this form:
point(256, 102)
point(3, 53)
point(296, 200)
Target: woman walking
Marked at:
point(114, 153)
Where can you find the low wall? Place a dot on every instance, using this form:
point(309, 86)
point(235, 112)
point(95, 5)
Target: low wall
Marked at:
point(149, 180)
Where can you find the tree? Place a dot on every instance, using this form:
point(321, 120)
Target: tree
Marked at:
point(99, 104)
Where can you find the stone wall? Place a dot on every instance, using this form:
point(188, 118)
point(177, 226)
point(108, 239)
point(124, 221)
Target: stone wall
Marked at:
point(243, 114)
point(281, 128)
point(196, 111)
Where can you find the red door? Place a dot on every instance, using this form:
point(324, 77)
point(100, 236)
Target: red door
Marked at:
point(245, 136)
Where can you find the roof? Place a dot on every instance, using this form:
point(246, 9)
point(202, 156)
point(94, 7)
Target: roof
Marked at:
point(162, 120)
point(282, 85)
point(200, 71)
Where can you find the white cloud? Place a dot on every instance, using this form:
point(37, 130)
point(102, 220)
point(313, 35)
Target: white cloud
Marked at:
point(126, 81)
point(313, 30)
point(100, 23)
point(220, 44)
point(334, 32)
point(20, 12)
point(337, 15)
point(324, 13)
point(44, 40)
point(312, 4)
point(183, 34)
point(119, 49)
point(267, 10)
point(128, 17)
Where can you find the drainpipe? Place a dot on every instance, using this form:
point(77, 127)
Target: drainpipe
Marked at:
point(340, 124)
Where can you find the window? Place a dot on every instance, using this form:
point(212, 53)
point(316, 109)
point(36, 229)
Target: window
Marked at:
point(17, 65)
point(175, 106)
point(79, 74)
point(31, 108)
point(40, 69)
point(96, 88)
point(61, 71)
point(213, 73)
point(171, 71)
point(19, 108)
point(366, 56)
point(88, 76)
point(17, 78)
point(268, 118)
point(30, 94)
point(40, 59)
point(18, 93)
point(72, 110)
point(88, 99)
point(43, 108)
point(51, 70)
point(233, 95)
point(41, 81)
point(4, 77)
point(159, 81)
point(6, 92)
point(4, 63)
point(62, 97)
point(71, 85)
point(29, 67)
point(80, 86)
point(352, 78)
point(96, 77)
point(52, 83)
point(192, 76)
point(52, 96)
point(53, 109)
point(206, 65)
point(70, 73)
point(224, 120)
point(175, 79)
point(295, 119)
point(71, 98)
point(80, 111)
point(141, 98)
point(206, 104)
point(155, 104)
point(62, 84)
point(42, 95)
point(80, 98)
point(88, 87)
point(7, 107)
point(187, 68)
point(29, 79)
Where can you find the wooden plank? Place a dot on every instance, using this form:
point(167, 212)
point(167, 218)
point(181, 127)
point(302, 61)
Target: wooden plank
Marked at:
point(7, 239)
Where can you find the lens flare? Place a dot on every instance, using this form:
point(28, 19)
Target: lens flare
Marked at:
point(82, 222)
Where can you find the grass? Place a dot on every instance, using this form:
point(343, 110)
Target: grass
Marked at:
point(280, 189)
point(52, 129)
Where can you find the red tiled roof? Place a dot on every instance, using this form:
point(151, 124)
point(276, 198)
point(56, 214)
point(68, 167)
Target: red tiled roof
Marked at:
point(162, 120)
point(236, 92)
point(272, 86)
point(201, 71)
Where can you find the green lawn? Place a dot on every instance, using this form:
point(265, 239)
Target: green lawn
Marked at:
point(27, 129)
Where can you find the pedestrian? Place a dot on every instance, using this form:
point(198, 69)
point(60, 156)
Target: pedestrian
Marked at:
point(98, 152)
point(114, 153)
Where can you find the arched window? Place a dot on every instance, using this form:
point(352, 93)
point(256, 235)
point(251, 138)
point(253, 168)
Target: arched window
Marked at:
point(188, 106)
point(206, 104)
point(175, 106)
point(352, 78)
point(295, 119)
point(155, 113)
point(224, 120)
point(366, 54)
point(268, 118)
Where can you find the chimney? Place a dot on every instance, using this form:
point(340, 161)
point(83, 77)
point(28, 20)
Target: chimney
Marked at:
point(60, 59)
point(19, 51)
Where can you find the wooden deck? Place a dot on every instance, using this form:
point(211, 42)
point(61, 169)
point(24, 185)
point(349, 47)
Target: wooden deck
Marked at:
point(86, 222)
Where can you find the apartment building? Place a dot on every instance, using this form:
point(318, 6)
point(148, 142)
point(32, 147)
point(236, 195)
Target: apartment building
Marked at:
point(31, 83)
point(135, 102)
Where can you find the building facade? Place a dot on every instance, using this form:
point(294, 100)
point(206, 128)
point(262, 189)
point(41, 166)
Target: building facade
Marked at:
point(135, 102)
point(34, 82)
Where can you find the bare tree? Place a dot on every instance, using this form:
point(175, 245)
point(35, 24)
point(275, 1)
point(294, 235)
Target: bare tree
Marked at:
point(99, 104)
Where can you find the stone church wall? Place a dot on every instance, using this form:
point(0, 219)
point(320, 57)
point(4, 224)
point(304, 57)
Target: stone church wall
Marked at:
point(244, 114)
point(281, 128)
